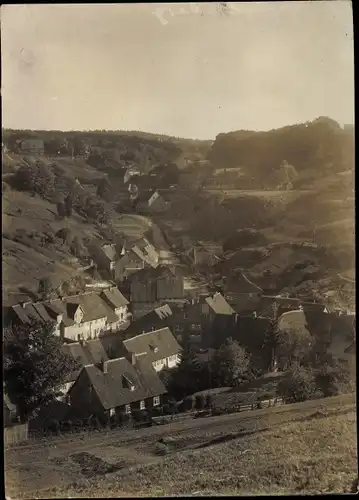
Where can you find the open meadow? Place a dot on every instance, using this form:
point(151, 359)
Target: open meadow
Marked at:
point(302, 448)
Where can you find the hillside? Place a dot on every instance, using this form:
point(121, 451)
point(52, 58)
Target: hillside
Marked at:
point(119, 148)
point(305, 235)
point(302, 448)
point(319, 148)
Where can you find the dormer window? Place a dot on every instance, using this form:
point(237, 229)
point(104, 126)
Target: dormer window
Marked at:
point(154, 348)
point(127, 384)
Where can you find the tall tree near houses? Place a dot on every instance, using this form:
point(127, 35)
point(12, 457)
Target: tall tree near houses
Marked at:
point(187, 377)
point(230, 363)
point(35, 366)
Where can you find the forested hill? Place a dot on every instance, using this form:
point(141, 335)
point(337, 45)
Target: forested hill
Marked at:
point(123, 146)
point(320, 146)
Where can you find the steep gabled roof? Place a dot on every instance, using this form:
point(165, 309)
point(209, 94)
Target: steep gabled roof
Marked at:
point(151, 274)
point(90, 352)
point(110, 252)
point(155, 317)
point(115, 297)
point(157, 344)
point(93, 306)
point(219, 305)
point(147, 253)
point(111, 387)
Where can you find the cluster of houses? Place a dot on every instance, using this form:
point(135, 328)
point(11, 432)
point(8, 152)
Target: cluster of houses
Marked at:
point(124, 335)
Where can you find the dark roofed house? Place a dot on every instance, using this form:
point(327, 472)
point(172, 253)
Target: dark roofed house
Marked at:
point(153, 202)
point(151, 288)
point(159, 347)
point(139, 254)
point(250, 332)
point(115, 386)
point(201, 318)
point(154, 320)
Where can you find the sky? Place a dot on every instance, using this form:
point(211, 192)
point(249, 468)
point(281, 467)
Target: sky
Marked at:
point(186, 70)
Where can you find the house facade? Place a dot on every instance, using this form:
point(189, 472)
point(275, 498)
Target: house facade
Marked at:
point(141, 254)
point(116, 386)
point(83, 316)
point(105, 257)
point(201, 318)
point(121, 260)
point(151, 288)
point(158, 347)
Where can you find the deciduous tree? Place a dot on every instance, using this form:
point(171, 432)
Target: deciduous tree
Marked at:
point(230, 363)
point(35, 366)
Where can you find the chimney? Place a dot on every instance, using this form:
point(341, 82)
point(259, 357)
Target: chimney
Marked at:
point(104, 367)
point(133, 359)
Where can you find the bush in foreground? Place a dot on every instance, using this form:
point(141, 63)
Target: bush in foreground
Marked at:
point(334, 378)
point(298, 386)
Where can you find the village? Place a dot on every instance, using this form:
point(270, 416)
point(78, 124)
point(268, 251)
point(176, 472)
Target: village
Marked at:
point(149, 302)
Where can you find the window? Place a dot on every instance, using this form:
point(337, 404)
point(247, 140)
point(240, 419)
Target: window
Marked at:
point(156, 401)
point(128, 409)
point(142, 405)
point(185, 315)
point(112, 412)
point(178, 328)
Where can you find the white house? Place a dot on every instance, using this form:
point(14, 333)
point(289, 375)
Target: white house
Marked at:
point(83, 316)
point(160, 347)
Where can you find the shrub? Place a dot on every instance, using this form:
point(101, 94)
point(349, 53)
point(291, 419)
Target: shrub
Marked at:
point(298, 386)
point(333, 379)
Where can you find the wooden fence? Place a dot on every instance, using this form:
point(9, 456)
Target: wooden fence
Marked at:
point(19, 433)
point(15, 434)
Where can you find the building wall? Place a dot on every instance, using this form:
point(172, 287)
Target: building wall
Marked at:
point(102, 261)
point(87, 330)
point(140, 309)
point(170, 362)
point(170, 287)
point(83, 398)
point(143, 291)
point(128, 264)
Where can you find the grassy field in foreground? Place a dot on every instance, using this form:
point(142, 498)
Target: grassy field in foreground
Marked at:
point(303, 448)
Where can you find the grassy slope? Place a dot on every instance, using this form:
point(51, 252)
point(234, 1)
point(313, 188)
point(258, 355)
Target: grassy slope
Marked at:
point(303, 448)
point(23, 265)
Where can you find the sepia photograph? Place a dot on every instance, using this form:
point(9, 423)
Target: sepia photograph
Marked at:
point(178, 249)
